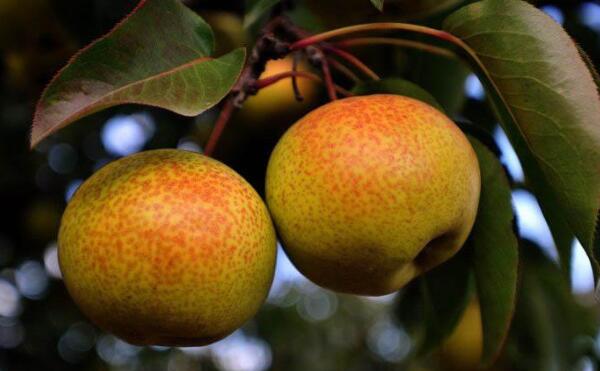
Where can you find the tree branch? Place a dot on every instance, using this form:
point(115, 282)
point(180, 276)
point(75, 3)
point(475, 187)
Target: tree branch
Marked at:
point(267, 47)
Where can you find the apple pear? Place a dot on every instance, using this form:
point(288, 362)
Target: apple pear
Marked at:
point(167, 247)
point(369, 192)
point(463, 349)
point(228, 30)
point(277, 103)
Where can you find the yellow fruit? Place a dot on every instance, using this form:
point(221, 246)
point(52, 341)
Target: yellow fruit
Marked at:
point(369, 192)
point(277, 102)
point(228, 30)
point(167, 247)
point(463, 349)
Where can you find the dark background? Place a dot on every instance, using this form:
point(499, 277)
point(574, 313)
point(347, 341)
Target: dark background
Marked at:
point(301, 327)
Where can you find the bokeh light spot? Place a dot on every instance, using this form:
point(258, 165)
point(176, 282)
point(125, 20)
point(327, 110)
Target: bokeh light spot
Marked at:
point(10, 299)
point(188, 144)
point(76, 342)
point(317, 306)
point(31, 279)
point(384, 299)
point(239, 352)
point(160, 348)
point(123, 135)
point(589, 14)
point(116, 352)
point(585, 364)
point(12, 333)
point(531, 222)
point(554, 12)
point(388, 341)
point(196, 352)
point(71, 188)
point(62, 158)
point(582, 277)
point(286, 277)
point(509, 157)
point(51, 260)
point(473, 88)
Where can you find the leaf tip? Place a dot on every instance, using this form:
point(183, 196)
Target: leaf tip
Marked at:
point(35, 136)
point(378, 4)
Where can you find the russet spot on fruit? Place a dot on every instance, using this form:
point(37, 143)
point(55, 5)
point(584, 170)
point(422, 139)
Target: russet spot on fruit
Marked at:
point(369, 192)
point(167, 247)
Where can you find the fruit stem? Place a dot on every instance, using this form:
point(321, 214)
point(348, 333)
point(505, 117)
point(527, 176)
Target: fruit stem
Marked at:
point(297, 93)
point(266, 47)
point(397, 42)
point(463, 50)
point(263, 83)
point(317, 57)
point(219, 127)
point(384, 26)
point(343, 70)
point(352, 60)
point(328, 79)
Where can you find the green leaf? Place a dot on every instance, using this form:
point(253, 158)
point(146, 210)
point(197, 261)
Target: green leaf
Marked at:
point(256, 9)
point(378, 4)
point(432, 305)
point(444, 78)
point(421, 8)
point(157, 56)
point(548, 104)
point(495, 253)
point(563, 238)
point(551, 330)
point(396, 86)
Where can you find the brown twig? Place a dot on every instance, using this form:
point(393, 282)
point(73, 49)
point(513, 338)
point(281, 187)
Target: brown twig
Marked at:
point(267, 47)
point(274, 42)
point(317, 57)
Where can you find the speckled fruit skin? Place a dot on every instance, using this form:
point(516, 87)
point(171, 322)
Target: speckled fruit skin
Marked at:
point(167, 247)
point(369, 192)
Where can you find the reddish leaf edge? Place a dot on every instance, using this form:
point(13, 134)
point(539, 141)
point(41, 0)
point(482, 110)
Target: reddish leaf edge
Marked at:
point(32, 142)
point(35, 139)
